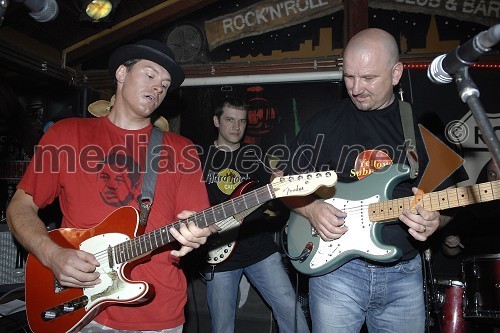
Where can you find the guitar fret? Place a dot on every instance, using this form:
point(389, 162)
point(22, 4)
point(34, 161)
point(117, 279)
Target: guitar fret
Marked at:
point(476, 194)
point(141, 247)
point(118, 252)
point(213, 217)
point(429, 201)
point(401, 206)
point(463, 196)
point(271, 193)
point(386, 209)
point(487, 190)
point(153, 241)
point(123, 252)
point(246, 202)
point(133, 247)
point(149, 241)
point(158, 238)
point(127, 252)
point(448, 198)
point(139, 242)
point(219, 214)
point(440, 201)
point(452, 197)
point(495, 195)
point(165, 235)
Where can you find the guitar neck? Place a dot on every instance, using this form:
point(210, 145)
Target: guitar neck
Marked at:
point(154, 239)
point(448, 198)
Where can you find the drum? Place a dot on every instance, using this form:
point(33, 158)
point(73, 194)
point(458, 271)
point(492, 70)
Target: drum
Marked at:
point(449, 296)
point(481, 275)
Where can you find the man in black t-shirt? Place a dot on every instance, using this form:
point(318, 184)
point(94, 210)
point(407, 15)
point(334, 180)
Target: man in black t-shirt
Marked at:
point(355, 137)
point(249, 249)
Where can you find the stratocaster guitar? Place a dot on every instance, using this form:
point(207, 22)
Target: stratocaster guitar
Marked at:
point(367, 211)
point(117, 242)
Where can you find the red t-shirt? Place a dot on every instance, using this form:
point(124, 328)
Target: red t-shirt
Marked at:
point(93, 167)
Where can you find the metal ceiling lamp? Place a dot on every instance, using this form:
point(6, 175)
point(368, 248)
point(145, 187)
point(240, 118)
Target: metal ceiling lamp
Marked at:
point(98, 10)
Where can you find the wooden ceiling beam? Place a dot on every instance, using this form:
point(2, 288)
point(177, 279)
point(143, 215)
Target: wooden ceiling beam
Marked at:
point(355, 18)
point(146, 21)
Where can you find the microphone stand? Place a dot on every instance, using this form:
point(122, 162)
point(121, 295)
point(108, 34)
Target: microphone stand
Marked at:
point(469, 93)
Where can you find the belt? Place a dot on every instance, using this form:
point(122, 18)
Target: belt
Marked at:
point(372, 263)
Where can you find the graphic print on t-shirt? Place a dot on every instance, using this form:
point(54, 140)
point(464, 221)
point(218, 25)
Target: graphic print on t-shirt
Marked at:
point(118, 180)
point(227, 179)
point(369, 161)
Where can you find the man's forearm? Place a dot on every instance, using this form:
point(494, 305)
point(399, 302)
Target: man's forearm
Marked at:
point(300, 205)
point(28, 229)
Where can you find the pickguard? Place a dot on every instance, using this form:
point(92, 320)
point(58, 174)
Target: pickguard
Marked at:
point(113, 286)
point(358, 238)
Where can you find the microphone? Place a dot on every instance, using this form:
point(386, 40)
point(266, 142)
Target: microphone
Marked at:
point(445, 66)
point(3, 8)
point(42, 10)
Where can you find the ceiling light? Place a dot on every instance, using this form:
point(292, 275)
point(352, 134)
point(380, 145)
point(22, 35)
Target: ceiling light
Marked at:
point(98, 10)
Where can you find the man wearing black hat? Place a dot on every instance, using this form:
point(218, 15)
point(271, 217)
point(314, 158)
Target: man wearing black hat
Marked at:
point(144, 72)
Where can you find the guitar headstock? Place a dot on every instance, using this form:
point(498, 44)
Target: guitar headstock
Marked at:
point(302, 184)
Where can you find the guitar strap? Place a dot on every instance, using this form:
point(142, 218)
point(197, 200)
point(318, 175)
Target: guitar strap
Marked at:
point(409, 134)
point(146, 197)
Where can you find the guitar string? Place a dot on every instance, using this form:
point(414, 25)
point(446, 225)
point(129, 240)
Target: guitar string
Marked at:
point(215, 210)
point(462, 194)
point(459, 196)
point(218, 209)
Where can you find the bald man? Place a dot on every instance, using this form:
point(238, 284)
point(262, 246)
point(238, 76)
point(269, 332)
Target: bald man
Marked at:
point(359, 135)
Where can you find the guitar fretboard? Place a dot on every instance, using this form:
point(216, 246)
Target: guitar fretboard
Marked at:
point(154, 239)
point(449, 198)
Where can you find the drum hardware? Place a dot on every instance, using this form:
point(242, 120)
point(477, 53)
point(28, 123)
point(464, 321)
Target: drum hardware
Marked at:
point(481, 275)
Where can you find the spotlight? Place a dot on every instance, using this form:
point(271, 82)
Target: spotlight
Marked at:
point(3, 8)
point(98, 10)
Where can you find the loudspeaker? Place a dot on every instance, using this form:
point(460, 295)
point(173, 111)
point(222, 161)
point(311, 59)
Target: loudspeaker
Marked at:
point(11, 259)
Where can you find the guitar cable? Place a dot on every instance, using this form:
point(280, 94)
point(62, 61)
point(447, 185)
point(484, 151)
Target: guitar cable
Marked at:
point(430, 292)
point(302, 256)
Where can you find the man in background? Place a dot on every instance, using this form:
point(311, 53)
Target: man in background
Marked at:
point(227, 162)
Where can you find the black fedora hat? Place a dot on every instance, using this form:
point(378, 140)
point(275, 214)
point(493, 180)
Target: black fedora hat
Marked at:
point(148, 49)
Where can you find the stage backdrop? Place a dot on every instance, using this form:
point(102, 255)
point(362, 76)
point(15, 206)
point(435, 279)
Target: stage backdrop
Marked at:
point(278, 111)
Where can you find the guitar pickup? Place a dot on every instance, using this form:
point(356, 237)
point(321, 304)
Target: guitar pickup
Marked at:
point(65, 308)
